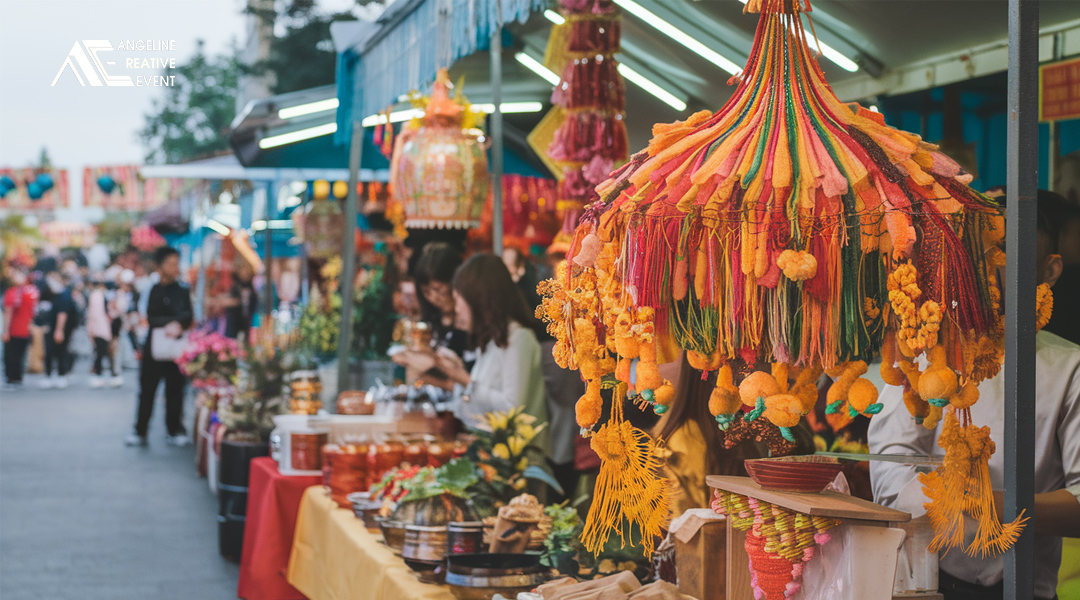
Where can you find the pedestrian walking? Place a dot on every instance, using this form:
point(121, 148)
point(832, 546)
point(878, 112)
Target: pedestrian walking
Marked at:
point(169, 313)
point(99, 327)
point(61, 321)
point(20, 302)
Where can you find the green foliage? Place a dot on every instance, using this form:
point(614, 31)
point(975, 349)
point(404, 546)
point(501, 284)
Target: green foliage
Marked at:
point(564, 541)
point(114, 232)
point(320, 323)
point(192, 119)
point(373, 314)
point(250, 417)
point(304, 56)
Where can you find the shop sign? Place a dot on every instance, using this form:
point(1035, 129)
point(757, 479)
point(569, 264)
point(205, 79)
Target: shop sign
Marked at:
point(1059, 90)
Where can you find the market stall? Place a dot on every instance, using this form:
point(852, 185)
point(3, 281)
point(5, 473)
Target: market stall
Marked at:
point(784, 245)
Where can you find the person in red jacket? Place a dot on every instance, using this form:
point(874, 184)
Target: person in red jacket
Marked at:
point(20, 301)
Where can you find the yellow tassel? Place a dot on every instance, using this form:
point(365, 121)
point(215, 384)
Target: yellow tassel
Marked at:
point(962, 486)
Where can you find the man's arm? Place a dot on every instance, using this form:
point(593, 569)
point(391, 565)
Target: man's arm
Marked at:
point(1056, 513)
point(894, 431)
point(61, 322)
point(186, 316)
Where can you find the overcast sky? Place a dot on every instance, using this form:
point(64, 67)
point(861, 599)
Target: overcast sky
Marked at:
point(89, 125)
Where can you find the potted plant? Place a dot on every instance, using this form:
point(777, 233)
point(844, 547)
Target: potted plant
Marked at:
point(374, 320)
point(248, 420)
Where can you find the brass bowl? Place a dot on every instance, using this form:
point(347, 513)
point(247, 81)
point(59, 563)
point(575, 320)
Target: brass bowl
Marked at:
point(393, 533)
point(423, 543)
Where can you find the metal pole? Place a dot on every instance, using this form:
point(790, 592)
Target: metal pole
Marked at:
point(497, 134)
point(1020, 281)
point(1054, 164)
point(268, 241)
point(348, 257)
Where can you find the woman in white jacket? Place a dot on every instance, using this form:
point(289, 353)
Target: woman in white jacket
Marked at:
point(507, 372)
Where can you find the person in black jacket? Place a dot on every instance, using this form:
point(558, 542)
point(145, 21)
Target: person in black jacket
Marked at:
point(169, 309)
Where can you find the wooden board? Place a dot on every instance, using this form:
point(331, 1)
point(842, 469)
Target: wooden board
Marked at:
point(824, 504)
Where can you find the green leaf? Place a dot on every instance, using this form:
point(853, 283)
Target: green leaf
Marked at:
point(457, 476)
point(535, 472)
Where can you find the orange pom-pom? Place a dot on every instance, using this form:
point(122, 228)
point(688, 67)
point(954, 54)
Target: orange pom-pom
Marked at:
point(648, 376)
point(589, 406)
point(622, 371)
point(968, 395)
point(758, 384)
point(937, 383)
point(918, 407)
point(861, 395)
point(797, 266)
point(665, 394)
point(702, 362)
point(783, 410)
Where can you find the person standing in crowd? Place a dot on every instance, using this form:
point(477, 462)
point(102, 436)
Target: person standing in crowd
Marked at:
point(242, 302)
point(60, 323)
point(20, 301)
point(169, 310)
point(506, 375)
point(99, 327)
point(1057, 451)
point(1066, 216)
point(523, 273)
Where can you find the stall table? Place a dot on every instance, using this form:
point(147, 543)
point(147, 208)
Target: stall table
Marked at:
point(335, 558)
point(272, 505)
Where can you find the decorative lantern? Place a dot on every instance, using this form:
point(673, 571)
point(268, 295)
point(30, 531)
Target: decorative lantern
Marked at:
point(106, 184)
point(340, 189)
point(321, 189)
point(33, 189)
point(439, 171)
point(45, 181)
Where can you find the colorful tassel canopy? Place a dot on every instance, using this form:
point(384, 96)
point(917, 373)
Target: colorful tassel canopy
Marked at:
point(787, 235)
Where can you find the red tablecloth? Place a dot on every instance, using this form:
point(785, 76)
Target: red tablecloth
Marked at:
point(272, 505)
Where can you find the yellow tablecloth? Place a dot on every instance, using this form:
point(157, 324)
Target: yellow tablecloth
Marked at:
point(335, 558)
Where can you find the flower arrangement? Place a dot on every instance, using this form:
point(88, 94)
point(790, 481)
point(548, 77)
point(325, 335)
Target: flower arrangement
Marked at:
point(210, 359)
point(320, 323)
point(503, 450)
point(249, 417)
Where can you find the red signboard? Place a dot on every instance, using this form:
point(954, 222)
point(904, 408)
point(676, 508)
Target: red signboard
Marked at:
point(1059, 91)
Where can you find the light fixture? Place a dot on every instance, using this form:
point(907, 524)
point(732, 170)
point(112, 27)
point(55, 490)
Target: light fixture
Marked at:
point(307, 109)
point(395, 117)
point(218, 227)
point(554, 17)
point(297, 136)
point(272, 224)
point(679, 36)
point(509, 107)
point(292, 201)
point(828, 52)
point(649, 86)
point(537, 67)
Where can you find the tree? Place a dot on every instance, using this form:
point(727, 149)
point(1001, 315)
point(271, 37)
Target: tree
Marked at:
point(304, 56)
point(193, 119)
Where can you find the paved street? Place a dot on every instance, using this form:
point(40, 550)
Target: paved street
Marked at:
point(82, 516)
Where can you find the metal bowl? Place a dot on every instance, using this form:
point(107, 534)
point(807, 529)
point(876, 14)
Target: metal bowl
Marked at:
point(480, 576)
point(393, 533)
point(423, 543)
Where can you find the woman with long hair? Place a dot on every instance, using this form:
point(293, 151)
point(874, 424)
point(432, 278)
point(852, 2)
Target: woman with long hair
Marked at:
point(507, 374)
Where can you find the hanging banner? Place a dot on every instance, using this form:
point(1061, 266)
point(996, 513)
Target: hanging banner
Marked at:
point(1059, 90)
point(33, 189)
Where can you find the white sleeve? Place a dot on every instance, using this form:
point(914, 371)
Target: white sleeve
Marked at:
point(894, 431)
point(1068, 434)
point(513, 363)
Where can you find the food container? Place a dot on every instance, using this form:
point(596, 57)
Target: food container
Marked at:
point(422, 543)
point(465, 537)
point(365, 509)
point(305, 449)
point(345, 470)
point(385, 456)
point(481, 576)
point(416, 453)
point(393, 533)
point(354, 402)
point(439, 453)
point(281, 447)
point(793, 473)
